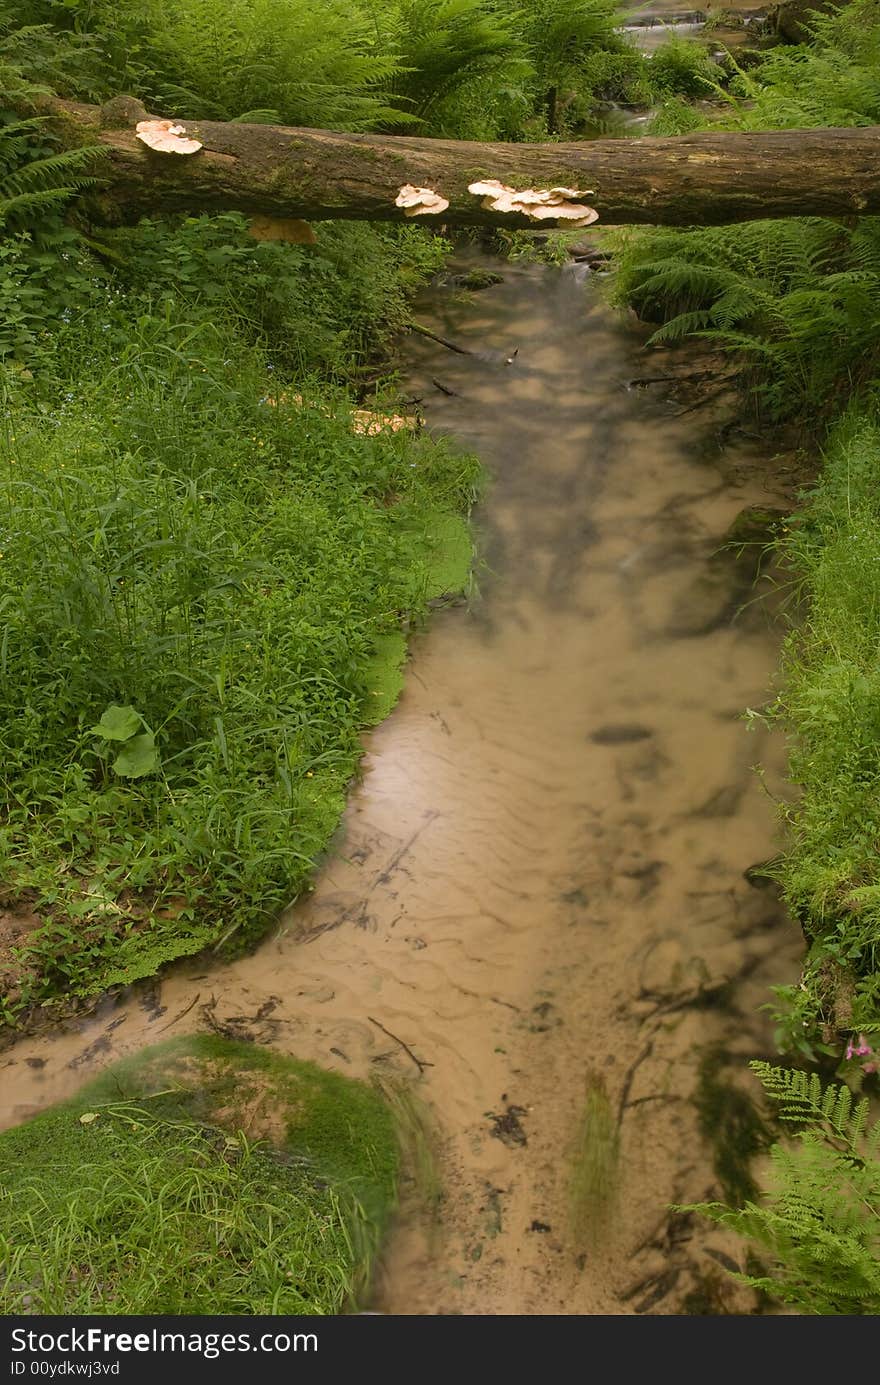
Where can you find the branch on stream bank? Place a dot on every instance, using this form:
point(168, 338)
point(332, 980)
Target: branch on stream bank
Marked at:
point(707, 178)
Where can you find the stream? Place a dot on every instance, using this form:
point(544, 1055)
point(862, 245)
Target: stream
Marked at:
point(539, 890)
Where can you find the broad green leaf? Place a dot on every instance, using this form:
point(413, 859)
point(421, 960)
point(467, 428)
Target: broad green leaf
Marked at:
point(138, 757)
point(118, 723)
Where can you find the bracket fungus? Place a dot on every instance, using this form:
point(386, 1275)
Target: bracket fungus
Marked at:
point(420, 201)
point(166, 137)
point(549, 204)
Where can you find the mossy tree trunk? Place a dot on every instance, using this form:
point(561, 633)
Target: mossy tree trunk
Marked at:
point(697, 179)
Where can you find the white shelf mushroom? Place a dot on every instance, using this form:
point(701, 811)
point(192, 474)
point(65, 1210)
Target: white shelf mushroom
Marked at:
point(544, 204)
point(420, 201)
point(166, 137)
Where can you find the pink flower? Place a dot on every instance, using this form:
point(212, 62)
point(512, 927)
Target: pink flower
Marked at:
point(858, 1050)
point(870, 1067)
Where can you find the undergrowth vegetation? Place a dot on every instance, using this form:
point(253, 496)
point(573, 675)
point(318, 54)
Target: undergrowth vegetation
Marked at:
point(830, 871)
point(152, 1192)
point(795, 301)
point(210, 558)
point(465, 68)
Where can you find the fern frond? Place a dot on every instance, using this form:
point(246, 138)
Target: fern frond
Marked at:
point(801, 1098)
point(66, 169)
point(820, 1219)
point(30, 206)
point(683, 325)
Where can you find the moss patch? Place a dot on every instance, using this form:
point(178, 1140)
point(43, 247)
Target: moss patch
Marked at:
point(447, 548)
point(384, 677)
point(449, 554)
point(202, 1176)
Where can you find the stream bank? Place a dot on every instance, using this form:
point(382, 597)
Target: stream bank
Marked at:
point(539, 903)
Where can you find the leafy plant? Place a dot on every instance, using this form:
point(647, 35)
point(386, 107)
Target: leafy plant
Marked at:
point(36, 180)
point(326, 308)
point(127, 736)
point(253, 59)
point(680, 67)
point(560, 37)
point(42, 271)
point(820, 1218)
point(794, 300)
point(37, 57)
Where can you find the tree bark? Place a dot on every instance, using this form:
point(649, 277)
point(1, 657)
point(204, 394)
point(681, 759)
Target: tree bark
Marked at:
point(698, 179)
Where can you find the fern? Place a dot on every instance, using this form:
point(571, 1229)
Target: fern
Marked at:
point(445, 48)
point(798, 301)
point(36, 58)
point(34, 180)
point(820, 1220)
point(220, 60)
point(560, 36)
point(802, 1098)
point(40, 273)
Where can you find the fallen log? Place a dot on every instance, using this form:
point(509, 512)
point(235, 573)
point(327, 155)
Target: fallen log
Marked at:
point(706, 178)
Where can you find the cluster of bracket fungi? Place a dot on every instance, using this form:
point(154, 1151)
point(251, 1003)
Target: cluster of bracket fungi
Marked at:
point(546, 204)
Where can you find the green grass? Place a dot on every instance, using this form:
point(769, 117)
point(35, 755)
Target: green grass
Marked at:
point(237, 570)
point(829, 706)
point(149, 1193)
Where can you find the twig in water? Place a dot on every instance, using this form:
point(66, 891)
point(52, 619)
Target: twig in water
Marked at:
point(453, 394)
point(420, 1064)
point(628, 1080)
point(656, 1096)
point(178, 1018)
point(385, 875)
point(443, 341)
point(678, 377)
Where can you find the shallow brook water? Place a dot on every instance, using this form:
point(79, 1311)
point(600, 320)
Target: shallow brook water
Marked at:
point(538, 891)
point(732, 25)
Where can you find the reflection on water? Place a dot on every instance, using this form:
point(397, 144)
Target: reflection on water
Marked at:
point(540, 881)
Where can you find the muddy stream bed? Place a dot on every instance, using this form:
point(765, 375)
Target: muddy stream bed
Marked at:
point(538, 891)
